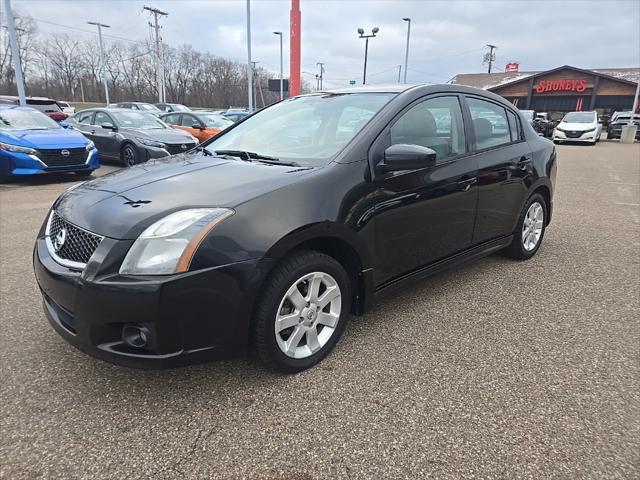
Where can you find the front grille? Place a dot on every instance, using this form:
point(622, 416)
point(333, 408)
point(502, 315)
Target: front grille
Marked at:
point(174, 148)
point(55, 157)
point(572, 134)
point(75, 245)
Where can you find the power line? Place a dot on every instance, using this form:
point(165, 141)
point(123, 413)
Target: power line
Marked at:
point(87, 31)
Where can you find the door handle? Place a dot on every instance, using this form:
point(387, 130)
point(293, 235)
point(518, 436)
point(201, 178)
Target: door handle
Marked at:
point(466, 184)
point(524, 162)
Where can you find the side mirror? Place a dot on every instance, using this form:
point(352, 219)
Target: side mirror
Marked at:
point(64, 124)
point(109, 126)
point(198, 126)
point(407, 157)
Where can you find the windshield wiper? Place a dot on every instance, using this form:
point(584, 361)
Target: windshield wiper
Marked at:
point(249, 156)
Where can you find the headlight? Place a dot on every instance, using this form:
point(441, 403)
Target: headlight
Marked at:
point(590, 130)
point(16, 149)
point(90, 146)
point(150, 143)
point(168, 245)
point(559, 129)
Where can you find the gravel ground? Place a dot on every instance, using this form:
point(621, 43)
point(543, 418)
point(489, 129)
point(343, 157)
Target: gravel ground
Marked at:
point(499, 369)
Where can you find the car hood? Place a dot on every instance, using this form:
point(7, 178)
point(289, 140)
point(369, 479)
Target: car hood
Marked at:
point(168, 135)
point(577, 127)
point(122, 204)
point(53, 138)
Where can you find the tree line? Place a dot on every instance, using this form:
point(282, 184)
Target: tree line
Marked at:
point(66, 67)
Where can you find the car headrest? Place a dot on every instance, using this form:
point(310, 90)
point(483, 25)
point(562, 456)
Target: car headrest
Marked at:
point(483, 128)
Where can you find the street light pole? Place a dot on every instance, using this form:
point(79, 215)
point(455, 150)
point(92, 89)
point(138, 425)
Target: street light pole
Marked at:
point(281, 69)
point(15, 53)
point(103, 66)
point(249, 69)
point(406, 53)
point(374, 30)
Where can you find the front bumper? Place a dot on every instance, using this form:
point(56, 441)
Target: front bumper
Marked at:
point(588, 137)
point(20, 164)
point(191, 317)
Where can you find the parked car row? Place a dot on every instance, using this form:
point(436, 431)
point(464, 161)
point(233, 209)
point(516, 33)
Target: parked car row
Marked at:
point(619, 120)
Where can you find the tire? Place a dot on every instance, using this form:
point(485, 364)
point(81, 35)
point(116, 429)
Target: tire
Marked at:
point(329, 321)
point(518, 250)
point(128, 155)
point(84, 173)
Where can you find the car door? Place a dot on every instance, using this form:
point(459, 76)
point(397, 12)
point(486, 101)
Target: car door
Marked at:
point(104, 138)
point(427, 214)
point(504, 167)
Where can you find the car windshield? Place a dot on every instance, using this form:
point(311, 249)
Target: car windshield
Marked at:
point(179, 108)
point(528, 114)
point(579, 117)
point(313, 127)
point(143, 121)
point(215, 121)
point(45, 107)
point(148, 108)
point(25, 119)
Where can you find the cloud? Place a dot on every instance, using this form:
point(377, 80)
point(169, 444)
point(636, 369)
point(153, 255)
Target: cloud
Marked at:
point(447, 36)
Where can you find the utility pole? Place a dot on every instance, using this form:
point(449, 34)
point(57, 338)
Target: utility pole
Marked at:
point(491, 56)
point(103, 65)
point(159, 67)
point(406, 53)
point(249, 69)
point(320, 75)
point(253, 82)
point(399, 70)
point(15, 52)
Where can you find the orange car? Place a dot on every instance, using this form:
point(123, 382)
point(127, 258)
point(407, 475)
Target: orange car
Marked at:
point(202, 125)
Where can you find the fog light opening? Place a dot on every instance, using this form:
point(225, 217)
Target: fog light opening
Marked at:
point(135, 336)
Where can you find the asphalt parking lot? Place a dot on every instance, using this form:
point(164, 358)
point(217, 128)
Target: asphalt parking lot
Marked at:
point(499, 369)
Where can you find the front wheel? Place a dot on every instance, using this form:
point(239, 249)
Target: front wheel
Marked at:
point(529, 231)
point(129, 155)
point(302, 312)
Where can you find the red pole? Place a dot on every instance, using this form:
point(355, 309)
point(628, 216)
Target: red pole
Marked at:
point(294, 45)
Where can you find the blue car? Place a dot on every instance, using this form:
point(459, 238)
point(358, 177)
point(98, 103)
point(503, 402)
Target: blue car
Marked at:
point(32, 143)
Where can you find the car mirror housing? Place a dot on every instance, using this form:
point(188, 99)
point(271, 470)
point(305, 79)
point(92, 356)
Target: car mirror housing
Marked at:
point(109, 126)
point(407, 157)
point(64, 124)
point(197, 126)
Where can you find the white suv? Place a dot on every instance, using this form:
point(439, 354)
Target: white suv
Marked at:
point(578, 127)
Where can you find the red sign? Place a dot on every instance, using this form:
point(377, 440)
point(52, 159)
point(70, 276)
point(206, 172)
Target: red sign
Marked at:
point(564, 85)
point(512, 67)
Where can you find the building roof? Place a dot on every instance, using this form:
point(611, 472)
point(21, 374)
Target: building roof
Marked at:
point(492, 80)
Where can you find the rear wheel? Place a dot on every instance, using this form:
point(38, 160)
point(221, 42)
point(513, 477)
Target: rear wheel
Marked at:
point(529, 231)
point(302, 312)
point(128, 155)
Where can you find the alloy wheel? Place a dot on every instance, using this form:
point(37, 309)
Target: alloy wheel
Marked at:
point(532, 226)
point(129, 156)
point(308, 315)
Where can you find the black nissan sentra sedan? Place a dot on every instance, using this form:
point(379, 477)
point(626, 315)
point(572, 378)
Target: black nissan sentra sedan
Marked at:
point(269, 236)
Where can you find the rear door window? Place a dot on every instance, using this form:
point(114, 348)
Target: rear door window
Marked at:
point(84, 117)
point(172, 119)
point(490, 123)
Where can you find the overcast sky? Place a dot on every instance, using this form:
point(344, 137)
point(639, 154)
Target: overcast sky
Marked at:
point(447, 37)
